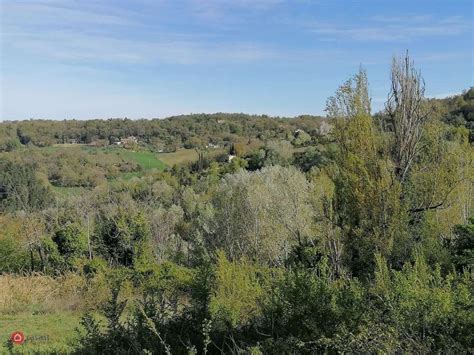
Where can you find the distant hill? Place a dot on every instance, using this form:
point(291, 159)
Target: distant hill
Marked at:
point(186, 131)
point(189, 131)
point(456, 110)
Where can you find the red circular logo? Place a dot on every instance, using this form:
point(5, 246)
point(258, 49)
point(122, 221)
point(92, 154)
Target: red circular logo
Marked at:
point(17, 338)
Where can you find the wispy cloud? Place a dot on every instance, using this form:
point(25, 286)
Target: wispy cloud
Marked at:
point(62, 13)
point(80, 47)
point(256, 4)
point(414, 19)
point(230, 14)
point(89, 32)
point(67, 30)
point(393, 29)
point(445, 56)
point(259, 55)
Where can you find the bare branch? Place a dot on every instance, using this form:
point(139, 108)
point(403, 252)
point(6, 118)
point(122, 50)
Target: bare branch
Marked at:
point(406, 113)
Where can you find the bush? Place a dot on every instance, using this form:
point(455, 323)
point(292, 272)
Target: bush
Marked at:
point(238, 289)
point(429, 312)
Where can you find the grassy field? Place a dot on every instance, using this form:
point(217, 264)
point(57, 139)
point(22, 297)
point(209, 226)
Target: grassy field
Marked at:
point(181, 156)
point(147, 160)
point(58, 147)
point(46, 310)
point(44, 333)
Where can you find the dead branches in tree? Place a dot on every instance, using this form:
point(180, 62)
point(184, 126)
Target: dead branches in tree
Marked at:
point(406, 113)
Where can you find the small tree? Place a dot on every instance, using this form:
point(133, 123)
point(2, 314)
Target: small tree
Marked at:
point(351, 99)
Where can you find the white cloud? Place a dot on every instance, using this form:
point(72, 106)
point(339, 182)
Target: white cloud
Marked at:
point(88, 32)
point(72, 46)
point(62, 13)
point(254, 4)
point(402, 19)
point(444, 56)
point(83, 31)
point(392, 29)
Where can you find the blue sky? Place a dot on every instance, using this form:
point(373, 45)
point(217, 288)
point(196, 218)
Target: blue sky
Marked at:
point(154, 58)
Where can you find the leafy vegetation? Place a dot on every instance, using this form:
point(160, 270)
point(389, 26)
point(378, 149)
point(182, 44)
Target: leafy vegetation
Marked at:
point(230, 233)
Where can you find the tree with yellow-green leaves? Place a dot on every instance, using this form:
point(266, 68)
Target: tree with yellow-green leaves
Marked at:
point(366, 198)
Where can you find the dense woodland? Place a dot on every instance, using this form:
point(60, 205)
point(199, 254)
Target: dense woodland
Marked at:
point(348, 233)
point(186, 131)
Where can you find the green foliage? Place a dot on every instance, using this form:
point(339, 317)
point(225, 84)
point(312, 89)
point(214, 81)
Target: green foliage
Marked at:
point(94, 266)
point(12, 257)
point(237, 291)
point(167, 278)
point(110, 337)
point(308, 308)
point(122, 237)
point(8, 138)
point(247, 243)
point(71, 241)
point(462, 245)
point(20, 189)
point(351, 99)
point(301, 138)
point(427, 311)
point(313, 157)
point(192, 131)
point(367, 199)
point(261, 214)
point(273, 153)
point(10, 145)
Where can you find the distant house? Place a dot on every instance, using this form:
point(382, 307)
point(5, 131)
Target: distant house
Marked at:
point(128, 142)
point(324, 128)
point(212, 145)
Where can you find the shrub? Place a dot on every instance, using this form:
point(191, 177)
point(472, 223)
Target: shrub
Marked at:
point(234, 300)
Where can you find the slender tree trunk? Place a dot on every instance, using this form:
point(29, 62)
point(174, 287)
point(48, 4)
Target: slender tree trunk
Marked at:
point(32, 260)
point(40, 252)
point(89, 238)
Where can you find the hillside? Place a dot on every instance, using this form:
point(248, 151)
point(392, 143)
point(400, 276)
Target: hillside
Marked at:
point(232, 233)
point(187, 131)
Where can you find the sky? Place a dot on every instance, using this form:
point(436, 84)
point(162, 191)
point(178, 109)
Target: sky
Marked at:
point(82, 59)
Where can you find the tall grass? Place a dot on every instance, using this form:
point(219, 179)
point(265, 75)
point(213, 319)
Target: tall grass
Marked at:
point(48, 308)
point(37, 293)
